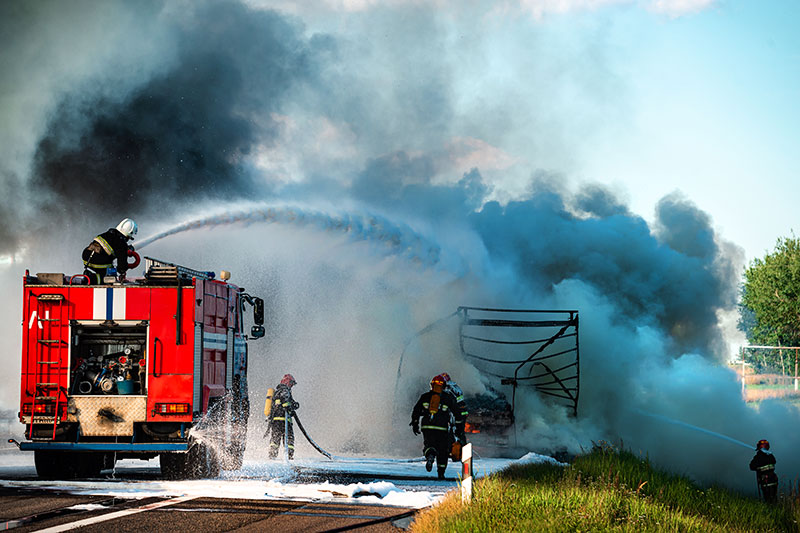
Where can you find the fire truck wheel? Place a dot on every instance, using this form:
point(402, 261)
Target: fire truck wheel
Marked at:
point(202, 461)
point(198, 463)
point(173, 465)
point(48, 465)
point(67, 465)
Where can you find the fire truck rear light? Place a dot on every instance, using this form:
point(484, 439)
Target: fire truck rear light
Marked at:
point(172, 409)
point(38, 409)
point(43, 408)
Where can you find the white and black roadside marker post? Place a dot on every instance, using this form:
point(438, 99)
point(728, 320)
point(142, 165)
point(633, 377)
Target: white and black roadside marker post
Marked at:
point(466, 473)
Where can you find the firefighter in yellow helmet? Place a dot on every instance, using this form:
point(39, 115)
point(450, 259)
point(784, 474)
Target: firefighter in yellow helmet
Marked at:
point(111, 245)
point(763, 463)
point(436, 409)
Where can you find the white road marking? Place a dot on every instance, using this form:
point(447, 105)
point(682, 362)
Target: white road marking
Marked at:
point(115, 515)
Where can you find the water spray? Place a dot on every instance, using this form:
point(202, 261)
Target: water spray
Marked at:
point(695, 428)
point(398, 239)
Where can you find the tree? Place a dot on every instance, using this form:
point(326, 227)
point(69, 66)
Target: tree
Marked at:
point(771, 292)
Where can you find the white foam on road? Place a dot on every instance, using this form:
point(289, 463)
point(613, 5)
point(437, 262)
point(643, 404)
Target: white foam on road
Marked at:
point(265, 480)
point(383, 493)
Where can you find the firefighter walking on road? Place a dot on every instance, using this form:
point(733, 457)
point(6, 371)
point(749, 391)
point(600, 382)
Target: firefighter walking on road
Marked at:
point(436, 408)
point(763, 463)
point(99, 256)
point(279, 419)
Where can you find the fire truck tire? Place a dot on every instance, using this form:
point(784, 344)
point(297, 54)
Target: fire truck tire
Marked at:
point(201, 462)
point(173, 465)
point(198, 463)
point(48, 465)
point(67, 465)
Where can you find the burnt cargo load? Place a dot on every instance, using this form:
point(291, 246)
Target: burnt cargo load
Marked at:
point(489, 421)
point(136, 369)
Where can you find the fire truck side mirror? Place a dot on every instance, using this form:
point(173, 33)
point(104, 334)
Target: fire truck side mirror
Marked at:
point(258, 311)
point(257, 332)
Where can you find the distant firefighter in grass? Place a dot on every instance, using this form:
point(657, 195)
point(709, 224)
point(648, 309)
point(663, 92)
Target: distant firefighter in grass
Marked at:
point(763, 463)
point(436, 408)
point(279, 419)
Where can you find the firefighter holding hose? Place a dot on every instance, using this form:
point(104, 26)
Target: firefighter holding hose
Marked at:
point(279, 417)
point(111, 245)
point(436, 408)
point(763, 463)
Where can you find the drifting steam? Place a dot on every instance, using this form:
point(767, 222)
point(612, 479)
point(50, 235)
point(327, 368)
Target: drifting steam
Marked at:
point(170, 112)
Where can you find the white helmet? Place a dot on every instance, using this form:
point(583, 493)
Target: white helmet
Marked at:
point(128, 228)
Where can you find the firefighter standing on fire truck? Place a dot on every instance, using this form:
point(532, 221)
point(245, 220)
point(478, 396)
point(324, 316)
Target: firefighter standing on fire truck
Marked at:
point(461, 412)
point(99, 256)
point(763, 463)
point(279, 421)
point(436, 407)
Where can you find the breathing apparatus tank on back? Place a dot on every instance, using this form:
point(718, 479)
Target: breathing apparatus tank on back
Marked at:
point(437, 386)
point(268, 402)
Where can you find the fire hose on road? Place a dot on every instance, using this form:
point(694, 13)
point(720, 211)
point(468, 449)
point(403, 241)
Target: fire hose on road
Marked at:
point(336, 457)
point(308, 438)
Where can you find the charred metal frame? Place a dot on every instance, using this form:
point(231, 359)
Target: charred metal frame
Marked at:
point(562, 382)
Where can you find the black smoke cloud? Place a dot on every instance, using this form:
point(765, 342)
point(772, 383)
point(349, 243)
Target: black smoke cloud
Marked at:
point(186, 133)
point(651, 278)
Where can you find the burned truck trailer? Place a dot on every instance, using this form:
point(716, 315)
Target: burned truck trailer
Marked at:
point(154, 366)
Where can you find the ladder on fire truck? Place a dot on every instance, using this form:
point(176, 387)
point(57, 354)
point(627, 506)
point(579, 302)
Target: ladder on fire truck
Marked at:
point(50, 359)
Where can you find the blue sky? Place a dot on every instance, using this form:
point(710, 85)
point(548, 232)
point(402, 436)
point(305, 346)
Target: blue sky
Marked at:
point(715, 114)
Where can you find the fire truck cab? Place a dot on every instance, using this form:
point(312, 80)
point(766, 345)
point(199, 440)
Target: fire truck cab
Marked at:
point(138, 368)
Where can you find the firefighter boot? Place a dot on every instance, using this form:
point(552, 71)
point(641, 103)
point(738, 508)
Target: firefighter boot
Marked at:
point(440, 471)
point(430, 457)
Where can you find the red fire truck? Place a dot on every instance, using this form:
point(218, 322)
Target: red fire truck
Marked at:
point(138, 368)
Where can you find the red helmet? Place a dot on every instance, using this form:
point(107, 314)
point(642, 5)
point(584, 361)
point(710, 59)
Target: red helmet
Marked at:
point(445, 376)
point(437, 380)
point(288, 380)
point(763, 443)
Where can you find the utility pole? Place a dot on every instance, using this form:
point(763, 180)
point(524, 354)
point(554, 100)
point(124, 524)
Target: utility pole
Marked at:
point(741, 355)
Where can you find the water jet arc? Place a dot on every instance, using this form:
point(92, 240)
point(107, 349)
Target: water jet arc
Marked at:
point(695, 428)
point(397, 239)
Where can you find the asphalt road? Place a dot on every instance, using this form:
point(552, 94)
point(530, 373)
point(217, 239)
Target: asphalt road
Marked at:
point(51, 511)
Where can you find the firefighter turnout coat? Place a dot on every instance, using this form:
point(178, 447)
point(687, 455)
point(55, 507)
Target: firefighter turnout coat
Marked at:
point(441, 419)
point(104, 248)
point(436, 411)
point(763, 463)
point(280, 419)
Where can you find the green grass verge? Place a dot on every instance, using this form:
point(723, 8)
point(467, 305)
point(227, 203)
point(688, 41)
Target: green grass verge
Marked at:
point(604, 490)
